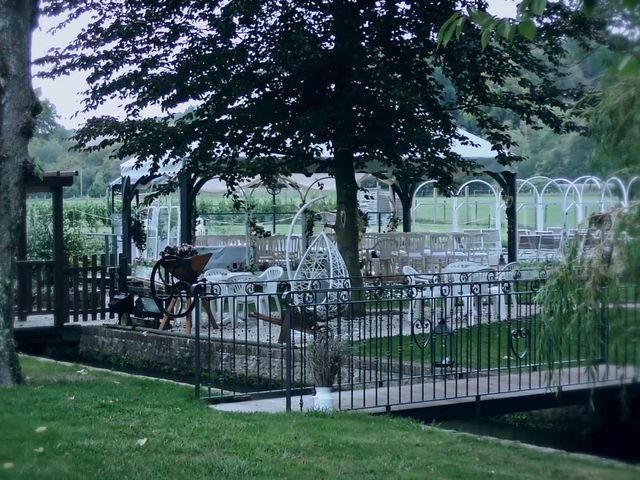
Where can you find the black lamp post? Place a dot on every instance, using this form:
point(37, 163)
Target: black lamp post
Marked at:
point(273, 190)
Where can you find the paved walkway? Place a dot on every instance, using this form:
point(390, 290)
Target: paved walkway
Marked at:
point(268, 405)
point(440, 393)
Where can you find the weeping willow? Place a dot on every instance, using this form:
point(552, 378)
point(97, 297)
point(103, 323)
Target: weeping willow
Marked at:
point(584, 297)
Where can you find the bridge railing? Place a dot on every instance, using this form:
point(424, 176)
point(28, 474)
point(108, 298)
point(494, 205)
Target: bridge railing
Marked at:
point(410, 340)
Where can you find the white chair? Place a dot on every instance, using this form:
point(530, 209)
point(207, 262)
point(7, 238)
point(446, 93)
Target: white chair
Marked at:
point(388, 254)
point(528, 247)
point(506, 288)
point(269, 281)
point(457, 245)
point(263, 250)
point(414, 246)
point(238, 292)
point(550, 246)
point(460, 276)
point(475, 249)
point(278, 247)
point(216, 276)
point(440, 250)
point(422, 289)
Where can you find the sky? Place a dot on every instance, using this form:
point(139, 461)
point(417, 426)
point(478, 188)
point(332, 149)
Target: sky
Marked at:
point(66, 92)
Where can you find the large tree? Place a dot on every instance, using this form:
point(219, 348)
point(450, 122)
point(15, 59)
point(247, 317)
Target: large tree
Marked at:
point(276, 80)
point(18, 107)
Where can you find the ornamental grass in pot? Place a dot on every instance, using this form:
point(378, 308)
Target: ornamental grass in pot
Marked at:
point(326, 354)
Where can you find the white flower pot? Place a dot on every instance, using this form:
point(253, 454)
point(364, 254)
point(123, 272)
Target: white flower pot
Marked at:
point(323, 399)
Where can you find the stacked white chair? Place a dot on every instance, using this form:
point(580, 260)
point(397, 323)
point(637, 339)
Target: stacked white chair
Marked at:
point(269, 281)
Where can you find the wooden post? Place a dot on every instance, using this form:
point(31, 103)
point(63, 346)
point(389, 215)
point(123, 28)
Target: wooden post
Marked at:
point(127, 198)
point(59, 261)
point(186, 210)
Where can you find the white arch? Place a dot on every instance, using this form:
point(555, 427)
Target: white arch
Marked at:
point(583, 181)
point(624, 194)
point(586, 179)
point(558, 182)
point(538, 199)
point(623, 190)
point(496, 194)
point(538, 177)
point(414, 204)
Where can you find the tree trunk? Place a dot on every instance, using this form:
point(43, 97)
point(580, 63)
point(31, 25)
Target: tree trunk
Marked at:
point(405, 194)
point(406, 201)
point(18, 107)
point(347, 214)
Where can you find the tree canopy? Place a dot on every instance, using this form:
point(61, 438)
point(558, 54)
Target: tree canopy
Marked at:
point(277, 80)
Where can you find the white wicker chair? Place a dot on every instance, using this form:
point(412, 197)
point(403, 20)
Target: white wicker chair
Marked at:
point(321, 281)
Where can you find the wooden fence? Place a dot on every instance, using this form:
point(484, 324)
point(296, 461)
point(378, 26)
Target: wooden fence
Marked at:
point(89, 282)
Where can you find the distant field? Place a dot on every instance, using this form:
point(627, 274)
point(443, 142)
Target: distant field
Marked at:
point(430, 213)
point(478, 211)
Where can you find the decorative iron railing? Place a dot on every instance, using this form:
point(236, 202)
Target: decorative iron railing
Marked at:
point(412, 339)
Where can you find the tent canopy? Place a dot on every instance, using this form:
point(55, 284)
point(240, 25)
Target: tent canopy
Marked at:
point(477, 150)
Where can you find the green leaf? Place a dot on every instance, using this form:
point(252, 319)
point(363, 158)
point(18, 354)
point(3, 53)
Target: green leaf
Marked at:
point(504, 28)
point(527, 29)
point(445, 33)
point(537, 6)
point(484, 39)
point(480, 18)
point(460, 26)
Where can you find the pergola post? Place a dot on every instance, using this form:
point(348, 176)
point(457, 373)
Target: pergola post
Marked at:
point(512, 216)
point(507, 181)
point(50, 182)
point(190, 186)
point(186, 209)
point(59, 260)
point(127, 198)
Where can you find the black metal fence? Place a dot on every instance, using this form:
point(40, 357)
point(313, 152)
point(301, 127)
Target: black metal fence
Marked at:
point(411, 339)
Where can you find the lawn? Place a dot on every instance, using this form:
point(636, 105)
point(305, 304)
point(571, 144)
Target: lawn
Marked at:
point(479, 347)
point(70, 422)
point(489, 346)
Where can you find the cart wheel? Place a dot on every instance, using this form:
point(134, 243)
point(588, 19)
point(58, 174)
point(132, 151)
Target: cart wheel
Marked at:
point(172, 296)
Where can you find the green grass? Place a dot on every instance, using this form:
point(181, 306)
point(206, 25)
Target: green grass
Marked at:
point(476, 347)
point(487, 346)
point(478, 211)
point(94, 420)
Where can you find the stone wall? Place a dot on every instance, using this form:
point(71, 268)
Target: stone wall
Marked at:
point(246, 366)
point(223, 362)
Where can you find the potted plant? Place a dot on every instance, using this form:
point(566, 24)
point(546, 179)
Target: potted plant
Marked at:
point(326, 354)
